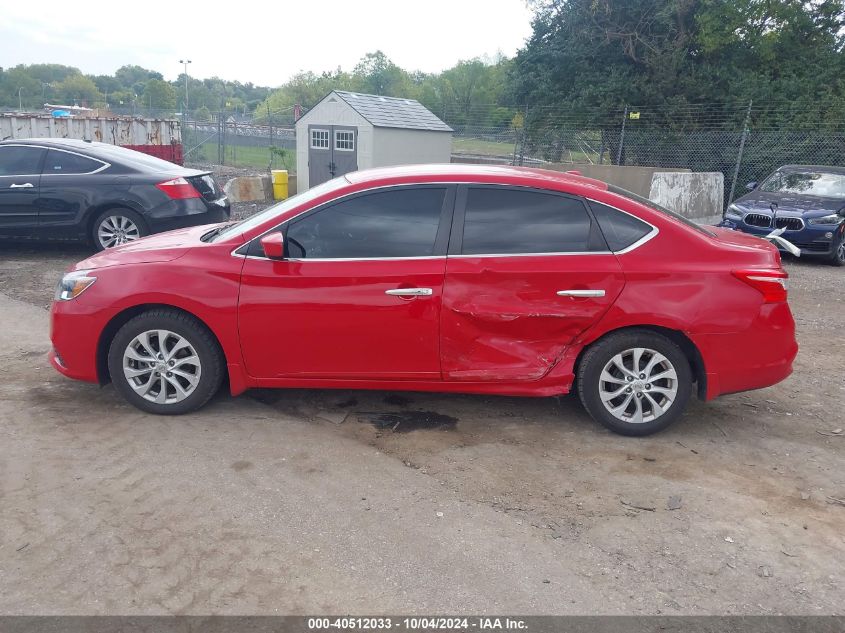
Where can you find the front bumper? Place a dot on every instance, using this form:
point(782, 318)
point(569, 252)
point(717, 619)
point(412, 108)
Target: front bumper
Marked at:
point(75, 329)
point(813, 240)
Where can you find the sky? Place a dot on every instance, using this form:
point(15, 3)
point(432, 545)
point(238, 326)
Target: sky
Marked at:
point(265, 43)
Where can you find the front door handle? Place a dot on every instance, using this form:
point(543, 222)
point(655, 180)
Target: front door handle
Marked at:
point(25, 185)
point(580, 293)
point(409, 292)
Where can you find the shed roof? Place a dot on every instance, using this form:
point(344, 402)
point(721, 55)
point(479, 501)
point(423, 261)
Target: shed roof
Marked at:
point(394, 112)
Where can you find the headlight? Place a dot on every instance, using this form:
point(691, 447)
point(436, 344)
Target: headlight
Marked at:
point(74, 284)
point(833, 218)
point(733, 212)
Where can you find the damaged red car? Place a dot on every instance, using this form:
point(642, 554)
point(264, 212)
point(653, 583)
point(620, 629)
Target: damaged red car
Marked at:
point(493, 280)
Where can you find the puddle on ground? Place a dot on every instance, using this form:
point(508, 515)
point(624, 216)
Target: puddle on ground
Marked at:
point(406, 421)
point(397, 400)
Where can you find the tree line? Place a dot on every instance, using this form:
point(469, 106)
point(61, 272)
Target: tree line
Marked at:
point(584, 61)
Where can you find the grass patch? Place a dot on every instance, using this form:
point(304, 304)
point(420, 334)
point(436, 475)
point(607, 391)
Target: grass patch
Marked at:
point(245, 156)
point(481, 147)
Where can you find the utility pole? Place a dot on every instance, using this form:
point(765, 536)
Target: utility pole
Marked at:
point(622, 138)
point(185, 63)
point(524, 133)
point(20, 100)
point(739, 155)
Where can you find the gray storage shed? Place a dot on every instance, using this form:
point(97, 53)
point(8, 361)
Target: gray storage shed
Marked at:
point(347, 131)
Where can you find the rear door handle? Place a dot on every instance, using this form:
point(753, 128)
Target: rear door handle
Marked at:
point(580, 293)
point(409, 292)
point(25, 185)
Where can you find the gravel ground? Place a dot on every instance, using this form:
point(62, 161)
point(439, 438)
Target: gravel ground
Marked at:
point(304, 501)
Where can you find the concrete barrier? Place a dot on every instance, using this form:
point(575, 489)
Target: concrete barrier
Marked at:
point(635, 179)
point(697, 196)
point(249, 189)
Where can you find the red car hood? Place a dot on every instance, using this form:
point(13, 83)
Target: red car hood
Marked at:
point(163, 247)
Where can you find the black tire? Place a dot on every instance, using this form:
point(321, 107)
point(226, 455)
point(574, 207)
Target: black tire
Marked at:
point(211, 361)
point(590, 382)
point(837, 256)
point(140, 228)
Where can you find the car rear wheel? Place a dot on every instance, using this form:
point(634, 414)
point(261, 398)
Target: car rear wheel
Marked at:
point(635, 382)
point(117, 226)
point(165, 362)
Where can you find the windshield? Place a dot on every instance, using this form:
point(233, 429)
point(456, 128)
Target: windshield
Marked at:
point(653, 205)
point(806, 183)
point(277, 209)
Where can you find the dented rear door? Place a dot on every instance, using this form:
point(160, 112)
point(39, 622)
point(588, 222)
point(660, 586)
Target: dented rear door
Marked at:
point(508, 316)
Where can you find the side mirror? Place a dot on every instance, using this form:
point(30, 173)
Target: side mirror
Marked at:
point(273, 245)
point(751, 186)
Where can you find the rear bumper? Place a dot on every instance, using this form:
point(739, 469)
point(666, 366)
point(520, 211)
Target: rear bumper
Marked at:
point(180, 214)
point(758, 357)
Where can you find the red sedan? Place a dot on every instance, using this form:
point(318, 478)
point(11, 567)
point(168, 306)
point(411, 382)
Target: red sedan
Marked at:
point(493, 280)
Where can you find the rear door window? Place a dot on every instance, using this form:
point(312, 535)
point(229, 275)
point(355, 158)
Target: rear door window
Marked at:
point(522, 221)
point(397, 223)
point(18, 160)
point(620, 229)
point(66, 163)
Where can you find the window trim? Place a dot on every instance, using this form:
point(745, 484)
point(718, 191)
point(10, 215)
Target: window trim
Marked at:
point(352, 137)
point(459, 220)
point(244, 250)
point(46, 148)
point(252, 249)
point(328, 138)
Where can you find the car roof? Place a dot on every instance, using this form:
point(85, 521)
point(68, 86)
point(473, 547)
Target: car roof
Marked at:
point(113, 154)
point(59, 143)
point(491, 174)
point(831, 169)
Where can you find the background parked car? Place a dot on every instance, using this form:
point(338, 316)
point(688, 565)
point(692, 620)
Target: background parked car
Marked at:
point(66, 188)
point(806, 200)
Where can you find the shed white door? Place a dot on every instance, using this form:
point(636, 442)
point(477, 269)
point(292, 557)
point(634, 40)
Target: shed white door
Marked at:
point(332, 152)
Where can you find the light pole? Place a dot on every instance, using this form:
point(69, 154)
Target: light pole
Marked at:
point(185, 63)
point(20, 100)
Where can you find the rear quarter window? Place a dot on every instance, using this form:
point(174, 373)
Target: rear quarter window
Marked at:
point(620, 229)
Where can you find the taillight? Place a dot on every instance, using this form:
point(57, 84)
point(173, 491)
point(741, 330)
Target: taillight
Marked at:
point(771, 283)
point(178, 189)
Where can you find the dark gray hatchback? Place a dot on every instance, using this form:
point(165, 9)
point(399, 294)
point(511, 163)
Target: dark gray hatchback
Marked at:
point(109, 195)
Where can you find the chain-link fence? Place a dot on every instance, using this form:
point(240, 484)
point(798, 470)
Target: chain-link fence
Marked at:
point(743, 141)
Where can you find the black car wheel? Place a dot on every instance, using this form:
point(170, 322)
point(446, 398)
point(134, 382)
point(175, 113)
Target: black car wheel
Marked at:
point(837, 257)
point(635, 382)
point(165, 362)
point(117, 226)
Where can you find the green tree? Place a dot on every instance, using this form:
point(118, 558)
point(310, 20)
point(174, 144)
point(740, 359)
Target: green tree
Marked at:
point(159, 94)
point(78, 89)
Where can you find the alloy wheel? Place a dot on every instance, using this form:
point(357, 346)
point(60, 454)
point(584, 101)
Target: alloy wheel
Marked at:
point(117, 229)
point(638, 385)
point(162, 366)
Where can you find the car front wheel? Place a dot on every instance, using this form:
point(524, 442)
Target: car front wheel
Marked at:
point(635, 382)
point(165, 362)
point(837, 256)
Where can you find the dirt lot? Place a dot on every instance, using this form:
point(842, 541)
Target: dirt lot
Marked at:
point(295, 502)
